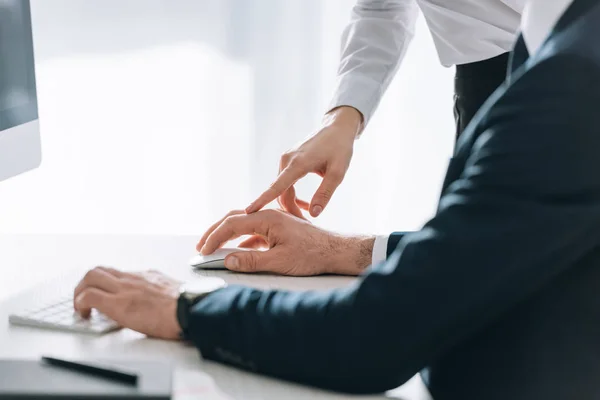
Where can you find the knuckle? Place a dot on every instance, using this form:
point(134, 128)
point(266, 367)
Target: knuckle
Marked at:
point(336, 174)
point(133, 276)
point(266, 226)
point(251, 263)
point(91, 274)
point(272, 214)
point(299, 162)
point(228, 221)
point(128, 284)
point(273, 221)
point(234, 212)
point(236, 218)
point(286, 157)
point(128, 303)
point(232, 221)
point(326, 193)
point(276, 186)
point(87, 297)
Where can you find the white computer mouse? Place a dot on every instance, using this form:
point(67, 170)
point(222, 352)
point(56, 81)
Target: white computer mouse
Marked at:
point(215, 260)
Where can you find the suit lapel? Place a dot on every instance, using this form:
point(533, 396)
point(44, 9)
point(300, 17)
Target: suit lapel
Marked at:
point(520, 53)
point(518, 57)
point(577, 9)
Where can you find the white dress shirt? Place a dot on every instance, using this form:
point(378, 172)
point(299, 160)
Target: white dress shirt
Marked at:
point(377, 37)
point(539, 18)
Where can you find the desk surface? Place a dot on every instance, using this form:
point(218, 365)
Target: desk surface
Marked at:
point(39, 266)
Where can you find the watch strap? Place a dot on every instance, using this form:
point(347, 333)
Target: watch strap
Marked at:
point(184, 311)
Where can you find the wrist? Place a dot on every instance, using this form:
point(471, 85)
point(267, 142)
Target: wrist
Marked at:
point(352, 254)
point(190, 294)
point(349, 119)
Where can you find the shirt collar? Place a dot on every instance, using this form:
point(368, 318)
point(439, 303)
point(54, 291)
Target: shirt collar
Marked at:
point(539, 19)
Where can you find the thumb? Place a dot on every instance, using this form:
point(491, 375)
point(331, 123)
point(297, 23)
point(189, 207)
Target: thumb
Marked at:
point(249, 261)
point(324, 193)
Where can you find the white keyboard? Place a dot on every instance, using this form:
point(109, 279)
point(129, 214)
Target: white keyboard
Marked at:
point(59, 315)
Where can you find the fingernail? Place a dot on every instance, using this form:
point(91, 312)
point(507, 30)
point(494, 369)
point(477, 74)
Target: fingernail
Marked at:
point(249, 209)
point(232, 262)
point(317, 210)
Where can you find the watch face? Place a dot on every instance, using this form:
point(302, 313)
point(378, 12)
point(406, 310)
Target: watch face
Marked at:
point(202, 286)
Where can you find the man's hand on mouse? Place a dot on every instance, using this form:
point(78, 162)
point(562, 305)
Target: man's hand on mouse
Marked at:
point(253, 242)
point(295, 246)
point(145, 302)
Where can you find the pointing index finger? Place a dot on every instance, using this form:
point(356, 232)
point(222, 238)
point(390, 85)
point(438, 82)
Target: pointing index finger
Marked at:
point(286, 178)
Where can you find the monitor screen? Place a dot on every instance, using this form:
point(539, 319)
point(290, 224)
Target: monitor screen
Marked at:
point(18, 97)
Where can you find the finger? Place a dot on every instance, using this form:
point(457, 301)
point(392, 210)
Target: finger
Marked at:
point(288, 202)
point(286, 178)
point(206, 250)
point(214, 226)
point(94, 298)
point(302, 204)
point(254, 242)
point(323, 195)
point(98, 278)
point(254, 261)
point(114, 272)
point(157, 278)
point(237, 226)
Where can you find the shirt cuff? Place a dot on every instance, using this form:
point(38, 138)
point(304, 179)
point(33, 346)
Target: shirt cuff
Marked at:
point(380, 249)
point(361, 93)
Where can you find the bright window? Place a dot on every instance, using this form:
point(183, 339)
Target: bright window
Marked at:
point(160, 116)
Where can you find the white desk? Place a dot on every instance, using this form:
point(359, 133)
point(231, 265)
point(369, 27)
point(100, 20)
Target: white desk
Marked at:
point(28, 261)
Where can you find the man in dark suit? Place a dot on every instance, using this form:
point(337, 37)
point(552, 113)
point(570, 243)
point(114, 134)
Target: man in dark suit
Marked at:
point(495, 298)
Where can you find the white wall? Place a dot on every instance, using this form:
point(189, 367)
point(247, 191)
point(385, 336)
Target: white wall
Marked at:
point(158, 116)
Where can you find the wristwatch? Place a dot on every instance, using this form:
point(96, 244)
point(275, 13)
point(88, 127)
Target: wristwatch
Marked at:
point(190, 294)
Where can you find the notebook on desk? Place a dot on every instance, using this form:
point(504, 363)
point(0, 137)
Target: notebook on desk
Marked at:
point(32, 379)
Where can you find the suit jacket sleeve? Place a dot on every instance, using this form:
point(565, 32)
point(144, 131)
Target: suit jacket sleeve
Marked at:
point(393, 241)
point(524, 207)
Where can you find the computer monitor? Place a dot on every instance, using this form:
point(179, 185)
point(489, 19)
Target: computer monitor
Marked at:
point(20, 148)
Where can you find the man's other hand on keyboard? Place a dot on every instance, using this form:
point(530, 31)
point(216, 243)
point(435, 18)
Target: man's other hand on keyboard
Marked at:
point(145, 302)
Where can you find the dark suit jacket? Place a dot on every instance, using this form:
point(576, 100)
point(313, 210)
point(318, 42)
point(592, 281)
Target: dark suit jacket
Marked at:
point(498, 296)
